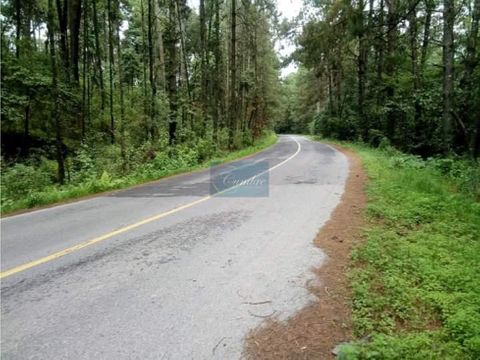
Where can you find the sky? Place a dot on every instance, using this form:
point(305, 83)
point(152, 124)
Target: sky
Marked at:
point(288, 9)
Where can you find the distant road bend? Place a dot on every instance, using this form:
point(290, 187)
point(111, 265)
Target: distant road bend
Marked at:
point(166, 270)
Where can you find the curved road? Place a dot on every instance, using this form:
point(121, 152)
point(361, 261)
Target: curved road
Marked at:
point(165, 270)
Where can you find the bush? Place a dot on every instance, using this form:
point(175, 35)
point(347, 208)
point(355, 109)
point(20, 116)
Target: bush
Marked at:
point(20, 180)
point(333, 127)
point(94, 168)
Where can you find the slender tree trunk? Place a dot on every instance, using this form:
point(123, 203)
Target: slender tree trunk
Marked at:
point(390, 63)
point(111, 65)
point(217, 87)
point(145, 61)
point(63, 23)
point(161, 58)
point(172, 72)
point(18, 27)
point(184, 59)
point(448, 24)
point(471, 58)
point(26, 127)
point(203, 49)
point(122, 102)
point(414, 63)
point(380, 52)
point(55, 110)
point(98, 54)
point(361, 63)
point(84, 69)
point(426, 34)
point(469, 110)
point(74, 19)
point(233, 74)
point(153, 82)
point(331, 100)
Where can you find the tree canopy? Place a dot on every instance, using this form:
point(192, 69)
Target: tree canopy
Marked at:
point(125, 73)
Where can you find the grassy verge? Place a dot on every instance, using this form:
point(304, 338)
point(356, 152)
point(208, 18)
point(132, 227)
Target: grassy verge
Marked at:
point(157, 169)
point(416, 277)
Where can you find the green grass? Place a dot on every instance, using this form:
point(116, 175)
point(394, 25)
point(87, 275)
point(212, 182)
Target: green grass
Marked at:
point(162, 166)
point(416, 276)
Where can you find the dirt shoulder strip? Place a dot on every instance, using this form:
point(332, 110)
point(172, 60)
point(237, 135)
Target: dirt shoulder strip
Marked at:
point(313, 332)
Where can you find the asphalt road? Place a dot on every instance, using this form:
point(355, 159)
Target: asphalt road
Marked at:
point(186, 276)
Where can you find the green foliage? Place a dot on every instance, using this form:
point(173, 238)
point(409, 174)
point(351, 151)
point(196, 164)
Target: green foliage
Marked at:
point(122, 92)
point(363, 82)
point(416, 289)
point(95, 169)
point(342, 129)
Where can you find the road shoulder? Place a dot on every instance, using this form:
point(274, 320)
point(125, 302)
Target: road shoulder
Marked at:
point(314, 331)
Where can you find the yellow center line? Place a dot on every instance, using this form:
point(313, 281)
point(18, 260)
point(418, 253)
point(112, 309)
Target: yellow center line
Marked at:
point(98, 239)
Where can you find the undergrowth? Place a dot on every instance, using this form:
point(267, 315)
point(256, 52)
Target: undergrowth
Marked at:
point(416, 277)
point(30, 184)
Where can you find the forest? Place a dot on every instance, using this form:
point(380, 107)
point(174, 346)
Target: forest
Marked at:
point(398, 71)
point(106, 89)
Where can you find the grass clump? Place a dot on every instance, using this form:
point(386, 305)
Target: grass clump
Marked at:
point(93, 170)
point(416, 277)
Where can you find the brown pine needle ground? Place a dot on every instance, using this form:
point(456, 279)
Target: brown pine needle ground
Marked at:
point(314, 331)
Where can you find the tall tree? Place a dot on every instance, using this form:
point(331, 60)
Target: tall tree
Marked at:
point(55, 109)
point(233, 74)
point(448, 24)
point(172, 68)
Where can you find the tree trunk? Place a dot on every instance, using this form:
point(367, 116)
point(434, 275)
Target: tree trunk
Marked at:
point(448, 24)
point(380, 52)
point(153, 83)
point(361, 63)
point(390, 63)
point(111, 65)
point(172, 72)
point(471, 58)
point(63, 23)
point(161, 59)
point(55, 110)
point(26, 128)
point(217, 89)
point(18, 27)
point(414, 63)
point(145, 60)
point(203, 49)
point(74, 18)
point(469, 110)
point(233, 74)
point(430, 5)
point(183, 51)
point(98, 54)
point(122, 104)
point(84, 69)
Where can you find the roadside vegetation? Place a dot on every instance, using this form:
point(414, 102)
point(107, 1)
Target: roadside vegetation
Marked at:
point(33, 182)
point(402, 77)
point(414, 276)
point(99, 95)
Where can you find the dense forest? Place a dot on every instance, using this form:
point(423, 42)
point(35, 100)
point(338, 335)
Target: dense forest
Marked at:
point(398, 71)
point(103, 87)
point(136, 70)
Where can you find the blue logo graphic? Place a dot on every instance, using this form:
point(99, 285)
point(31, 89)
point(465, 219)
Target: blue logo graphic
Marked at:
point(241, 179)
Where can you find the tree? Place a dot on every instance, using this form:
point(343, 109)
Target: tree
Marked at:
point(448, 23)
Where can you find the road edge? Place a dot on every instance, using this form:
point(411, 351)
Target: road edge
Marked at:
point(194, 170)
point(314, 331)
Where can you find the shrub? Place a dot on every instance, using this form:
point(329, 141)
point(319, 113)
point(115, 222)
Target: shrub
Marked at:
point(20, 180)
